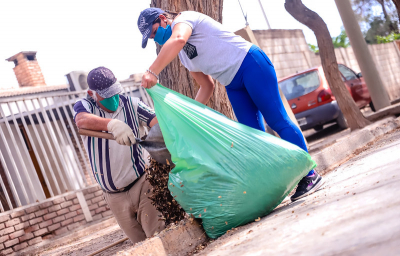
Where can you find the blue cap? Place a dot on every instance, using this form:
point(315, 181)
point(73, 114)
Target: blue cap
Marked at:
point(145, 22)
point(103, 81)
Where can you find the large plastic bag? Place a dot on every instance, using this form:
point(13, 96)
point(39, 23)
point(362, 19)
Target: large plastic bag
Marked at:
point(226, 173)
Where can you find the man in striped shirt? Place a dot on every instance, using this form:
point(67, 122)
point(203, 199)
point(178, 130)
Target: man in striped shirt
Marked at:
point(118, 166)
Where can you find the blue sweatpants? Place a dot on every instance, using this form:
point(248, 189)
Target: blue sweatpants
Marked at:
point(254, 93)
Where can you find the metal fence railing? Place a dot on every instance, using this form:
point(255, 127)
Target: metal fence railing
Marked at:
point(41, 153)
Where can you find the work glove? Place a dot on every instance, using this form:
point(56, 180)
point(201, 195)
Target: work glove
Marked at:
point(122, 132)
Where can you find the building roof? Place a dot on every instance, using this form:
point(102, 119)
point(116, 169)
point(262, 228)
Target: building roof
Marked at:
point(136, 78)
point(31, 90)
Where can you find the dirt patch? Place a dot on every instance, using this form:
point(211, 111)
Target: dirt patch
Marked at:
point(89, 244)
point(201, 246)
point(157, 175)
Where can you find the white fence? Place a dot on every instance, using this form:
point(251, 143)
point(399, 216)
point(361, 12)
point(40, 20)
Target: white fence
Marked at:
point(41, 152)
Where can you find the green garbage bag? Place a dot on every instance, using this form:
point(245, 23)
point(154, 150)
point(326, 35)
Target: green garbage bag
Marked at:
point(226, 173)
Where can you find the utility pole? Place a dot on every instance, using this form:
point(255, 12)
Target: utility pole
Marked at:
point(378, 92)
point(245, 15)
point(265, 16)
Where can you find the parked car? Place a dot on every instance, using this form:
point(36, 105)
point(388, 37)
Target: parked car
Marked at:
point(312, 101)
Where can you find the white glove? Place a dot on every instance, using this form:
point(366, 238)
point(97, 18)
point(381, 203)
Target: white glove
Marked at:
point(122, 132)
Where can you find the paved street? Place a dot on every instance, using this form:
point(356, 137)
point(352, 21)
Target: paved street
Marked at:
point(356, 213)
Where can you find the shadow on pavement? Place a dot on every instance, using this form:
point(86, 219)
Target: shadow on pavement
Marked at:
point(328, 131)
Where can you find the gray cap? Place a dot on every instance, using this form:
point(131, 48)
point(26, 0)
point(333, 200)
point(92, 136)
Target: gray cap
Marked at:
point(145, 22)
point(103, 81)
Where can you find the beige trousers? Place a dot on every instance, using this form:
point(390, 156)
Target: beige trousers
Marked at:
point(133, 210)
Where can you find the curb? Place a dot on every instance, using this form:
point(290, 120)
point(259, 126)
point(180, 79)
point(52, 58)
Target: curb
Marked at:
point(178, 240)
point(185, 237)
point(343, 149)
point(390, 110)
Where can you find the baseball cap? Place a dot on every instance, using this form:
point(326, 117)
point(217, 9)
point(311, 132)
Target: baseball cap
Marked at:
point(103, 81)
point(145, 22)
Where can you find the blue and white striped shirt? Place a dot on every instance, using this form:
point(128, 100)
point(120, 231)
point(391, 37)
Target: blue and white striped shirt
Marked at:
point(115, 166)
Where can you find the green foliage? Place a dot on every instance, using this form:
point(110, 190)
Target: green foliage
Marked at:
point(313, 48)
point(387, 39)
point(382, 27)
point(366, 10)
point(341, 40)
point(376, 18)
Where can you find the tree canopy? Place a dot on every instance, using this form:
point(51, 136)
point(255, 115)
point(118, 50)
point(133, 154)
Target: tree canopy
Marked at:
point(338, 41)
point(376, 18)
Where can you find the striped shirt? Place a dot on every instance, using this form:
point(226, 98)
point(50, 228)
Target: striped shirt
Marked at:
point(116, 166)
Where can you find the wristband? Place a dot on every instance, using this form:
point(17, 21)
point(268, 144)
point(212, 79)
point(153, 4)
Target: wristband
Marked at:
point(154, 74)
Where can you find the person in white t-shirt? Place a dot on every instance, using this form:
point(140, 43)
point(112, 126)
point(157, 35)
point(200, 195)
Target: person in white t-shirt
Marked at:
point(208, 51)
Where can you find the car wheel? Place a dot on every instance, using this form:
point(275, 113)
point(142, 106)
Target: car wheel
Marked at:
point(341, 121)
point(318, 128)
point(371, 105)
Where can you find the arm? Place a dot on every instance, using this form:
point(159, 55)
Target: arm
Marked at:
point(153, 122)
point(121, 131)
point(169, 51)
point(91, 122)
point(206, 86)
point(146, 115)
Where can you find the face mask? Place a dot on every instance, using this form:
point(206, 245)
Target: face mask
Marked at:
point(163, 34)
point(111, 103)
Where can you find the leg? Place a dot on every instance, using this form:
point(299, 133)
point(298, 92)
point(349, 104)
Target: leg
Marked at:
point(245, 110)
point(266, 97)
point(125, 214)
point(147, 215)
point(262, 85)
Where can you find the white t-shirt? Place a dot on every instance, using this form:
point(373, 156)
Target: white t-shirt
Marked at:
point(211, 48)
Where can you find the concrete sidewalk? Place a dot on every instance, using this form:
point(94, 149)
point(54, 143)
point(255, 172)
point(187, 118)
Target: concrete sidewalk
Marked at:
point(356, 213)
point(342, 148)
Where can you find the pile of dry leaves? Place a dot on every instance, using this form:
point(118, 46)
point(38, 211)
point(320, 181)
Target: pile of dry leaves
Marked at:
point(157, 175)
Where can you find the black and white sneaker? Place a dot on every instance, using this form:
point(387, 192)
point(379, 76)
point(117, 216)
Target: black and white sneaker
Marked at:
point(307, 186)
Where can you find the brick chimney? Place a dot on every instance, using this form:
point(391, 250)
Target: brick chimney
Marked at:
point(27, 69)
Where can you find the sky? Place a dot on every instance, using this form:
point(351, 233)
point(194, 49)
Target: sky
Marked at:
point(71, 35)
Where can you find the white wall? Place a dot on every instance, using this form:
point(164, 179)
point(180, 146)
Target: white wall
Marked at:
point(287, 49)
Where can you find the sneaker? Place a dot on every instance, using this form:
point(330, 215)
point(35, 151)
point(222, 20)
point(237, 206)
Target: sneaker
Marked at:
point(307, 186)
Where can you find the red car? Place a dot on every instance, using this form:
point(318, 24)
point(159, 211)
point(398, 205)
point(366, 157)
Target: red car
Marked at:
point(312, 101)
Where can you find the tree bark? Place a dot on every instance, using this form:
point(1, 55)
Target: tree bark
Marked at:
point(175, 76)
point(392, 26)
point(351, 112)
point(397, 4)
point(382, 3)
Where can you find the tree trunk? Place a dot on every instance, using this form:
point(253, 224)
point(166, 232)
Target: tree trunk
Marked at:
point(175, 76)
point(382, 3)
point(393, 27)
point(351, 112)
point(397, 4)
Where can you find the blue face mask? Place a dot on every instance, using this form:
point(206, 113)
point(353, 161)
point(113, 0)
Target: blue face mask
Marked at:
point(111, 103)
point(163, 34)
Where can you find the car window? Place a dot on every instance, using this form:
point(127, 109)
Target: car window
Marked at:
point(300, 85)
point(347, 73)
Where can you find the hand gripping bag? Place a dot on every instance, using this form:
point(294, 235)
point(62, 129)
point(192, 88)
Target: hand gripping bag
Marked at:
point(226, 173)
